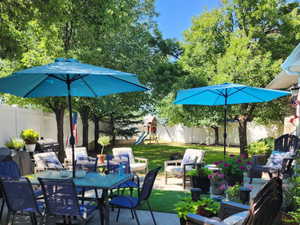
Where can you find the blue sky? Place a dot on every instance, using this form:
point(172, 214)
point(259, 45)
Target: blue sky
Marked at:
point(176, 15)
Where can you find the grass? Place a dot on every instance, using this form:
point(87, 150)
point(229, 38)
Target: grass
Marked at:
point(165, 201)
point(158, 153)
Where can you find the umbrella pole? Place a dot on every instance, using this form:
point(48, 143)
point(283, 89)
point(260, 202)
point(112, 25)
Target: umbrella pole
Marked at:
point(72, 139)
point(225, 126)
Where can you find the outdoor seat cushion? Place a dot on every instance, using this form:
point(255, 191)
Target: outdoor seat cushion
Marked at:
point(137, 166)
point(177, 170)
point(128, 184)
point(236, 219)
point(124, 201)
point(276, 158)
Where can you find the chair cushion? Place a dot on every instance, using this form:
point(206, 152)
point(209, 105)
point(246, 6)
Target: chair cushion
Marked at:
point(276, 158)
point(124, 201)
point(122, 151)
point(87, 209)
point(53, 163)
point(236, 219)
point(137, 166)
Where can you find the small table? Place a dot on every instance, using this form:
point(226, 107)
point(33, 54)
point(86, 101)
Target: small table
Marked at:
point(91, 180)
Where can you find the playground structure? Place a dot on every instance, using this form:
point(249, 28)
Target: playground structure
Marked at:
point(149, 133)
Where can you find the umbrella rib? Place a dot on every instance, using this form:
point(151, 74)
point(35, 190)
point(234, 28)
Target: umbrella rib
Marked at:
point(253, 96)
point(199, 93)
point(238, 90)
point(35, 87)
point(140, 86)
point(89, 87)
point(55, 77)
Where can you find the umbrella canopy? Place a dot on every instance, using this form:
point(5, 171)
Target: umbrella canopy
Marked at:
point(68, 77)
point(85, 81)
point(226, 94)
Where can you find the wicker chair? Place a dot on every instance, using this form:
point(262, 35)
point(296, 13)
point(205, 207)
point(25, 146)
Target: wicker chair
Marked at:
point(264, 210)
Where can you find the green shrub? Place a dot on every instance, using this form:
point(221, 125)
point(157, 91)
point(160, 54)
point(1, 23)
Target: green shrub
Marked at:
point(261, 147)
point(29, 136)
point(15, 143)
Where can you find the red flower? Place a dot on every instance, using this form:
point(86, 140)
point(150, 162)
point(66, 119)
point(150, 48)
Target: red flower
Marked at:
point(226, 165)
point(231, 155)
point(242, 168)
point(249, 163)
point(239, 161)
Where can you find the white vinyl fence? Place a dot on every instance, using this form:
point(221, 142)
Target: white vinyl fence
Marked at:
point(13, 120)
point(183, 134)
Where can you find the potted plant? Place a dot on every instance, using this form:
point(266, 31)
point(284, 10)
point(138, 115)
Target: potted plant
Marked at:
point(233, 168)
point(199, 178)
point(185, 207)
point(103, 141)
point(15, 144)
point(233, 193)
point(30, 138)
point(207, 207)
point(217, 183)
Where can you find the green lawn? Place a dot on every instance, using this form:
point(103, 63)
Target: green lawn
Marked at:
point(158, 153)
point(165, 201)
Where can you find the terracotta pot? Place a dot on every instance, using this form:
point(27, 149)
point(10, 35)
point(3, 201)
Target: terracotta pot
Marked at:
point(101, 158)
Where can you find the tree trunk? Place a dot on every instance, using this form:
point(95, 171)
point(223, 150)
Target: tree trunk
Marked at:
point(96, 133)
point(85, 128)
point(243, 136)
point(59, 115)
point(216, 130)
point(113, 133)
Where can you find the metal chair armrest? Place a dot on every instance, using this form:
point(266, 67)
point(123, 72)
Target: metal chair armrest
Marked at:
point(193, 219)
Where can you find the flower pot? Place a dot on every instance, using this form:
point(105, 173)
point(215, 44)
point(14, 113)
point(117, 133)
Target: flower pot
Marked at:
point(217, 188)
point(204, 184)
point(234, 179)
point(30, 147)
point(182, 221)
point(101, 158)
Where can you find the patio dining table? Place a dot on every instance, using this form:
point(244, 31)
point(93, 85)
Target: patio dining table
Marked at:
point(90, 180)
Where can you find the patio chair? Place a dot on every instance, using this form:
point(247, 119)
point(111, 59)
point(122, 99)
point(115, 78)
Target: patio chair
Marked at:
point(264, 210)
point(8, 169)
point(129, 202)
point(287, 143)
point(192, 158)
point(63, 202)
point(79, 152)
point(47, 161)
point(20, 198)
point(88, 164)
point(136, 163)
point(280, 163)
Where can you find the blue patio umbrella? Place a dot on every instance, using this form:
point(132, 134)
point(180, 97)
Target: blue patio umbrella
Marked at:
point(226, 94)
point(68, 77)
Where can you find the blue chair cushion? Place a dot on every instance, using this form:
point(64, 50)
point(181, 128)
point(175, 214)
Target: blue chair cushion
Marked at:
point(128, 184)
point(41, 207)
point(124, 201)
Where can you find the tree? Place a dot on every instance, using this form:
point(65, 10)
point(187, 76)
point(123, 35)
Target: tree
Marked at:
point(244, 42)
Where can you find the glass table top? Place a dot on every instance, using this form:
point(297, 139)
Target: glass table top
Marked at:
point(91, 179)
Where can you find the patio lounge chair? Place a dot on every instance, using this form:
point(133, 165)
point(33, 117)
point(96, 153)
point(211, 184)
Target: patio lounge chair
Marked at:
point(191, 159)
point(47, 161)
point(136, 163)
point(264, 210)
